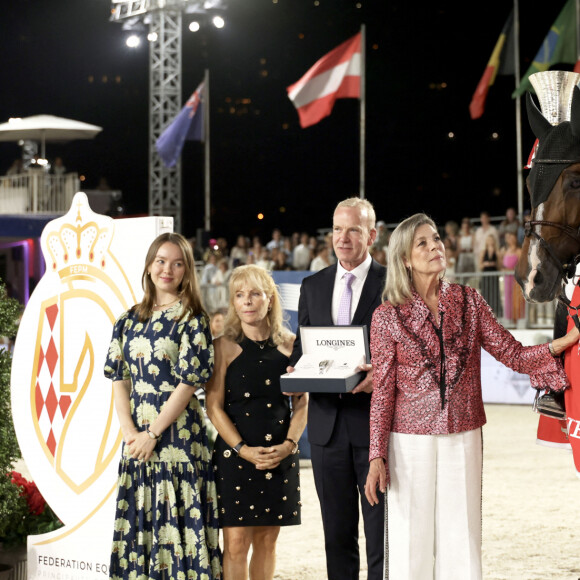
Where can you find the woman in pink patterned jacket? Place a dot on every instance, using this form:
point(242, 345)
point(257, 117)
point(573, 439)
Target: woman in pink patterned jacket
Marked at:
point(427, 408)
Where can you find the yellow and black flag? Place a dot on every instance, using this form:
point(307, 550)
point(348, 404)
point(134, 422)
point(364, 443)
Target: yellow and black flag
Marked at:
point(501, 62)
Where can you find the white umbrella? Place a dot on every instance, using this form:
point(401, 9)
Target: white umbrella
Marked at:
point(45, 128)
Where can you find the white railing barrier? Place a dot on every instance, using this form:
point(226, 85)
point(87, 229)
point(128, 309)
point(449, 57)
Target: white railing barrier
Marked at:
point(504, 295)
point(37, 192)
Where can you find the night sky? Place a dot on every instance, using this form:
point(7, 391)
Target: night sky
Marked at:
point(424, 60)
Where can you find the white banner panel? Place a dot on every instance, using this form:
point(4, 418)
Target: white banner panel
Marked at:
point(502, 385)
point(62, 404)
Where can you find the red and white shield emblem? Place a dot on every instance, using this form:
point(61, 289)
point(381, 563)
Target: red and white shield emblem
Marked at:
point(62, 404)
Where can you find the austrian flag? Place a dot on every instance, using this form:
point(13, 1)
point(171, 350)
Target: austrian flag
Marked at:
point(337, 75)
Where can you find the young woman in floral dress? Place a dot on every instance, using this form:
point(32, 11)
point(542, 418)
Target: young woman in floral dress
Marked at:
point(166, 525)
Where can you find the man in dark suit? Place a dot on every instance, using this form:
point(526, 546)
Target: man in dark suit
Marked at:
point(338, 424)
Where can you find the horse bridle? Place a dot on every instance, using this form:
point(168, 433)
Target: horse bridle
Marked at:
point(567, 271)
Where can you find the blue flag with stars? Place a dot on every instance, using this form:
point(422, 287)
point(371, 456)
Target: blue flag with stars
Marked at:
point(187, 126)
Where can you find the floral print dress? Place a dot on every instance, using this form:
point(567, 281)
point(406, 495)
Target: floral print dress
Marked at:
point(166, 523)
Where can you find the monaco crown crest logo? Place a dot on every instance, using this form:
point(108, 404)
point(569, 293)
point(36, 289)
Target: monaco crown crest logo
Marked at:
point(67, 427)
point(62, 404)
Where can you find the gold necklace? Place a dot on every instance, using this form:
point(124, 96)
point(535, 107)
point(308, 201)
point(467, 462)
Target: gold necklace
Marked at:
point(260, 343)
point(167, 304)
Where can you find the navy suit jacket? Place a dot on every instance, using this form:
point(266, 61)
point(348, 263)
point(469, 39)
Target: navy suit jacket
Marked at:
point(315, 309)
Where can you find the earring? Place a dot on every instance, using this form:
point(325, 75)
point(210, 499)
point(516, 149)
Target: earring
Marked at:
point(410, 273)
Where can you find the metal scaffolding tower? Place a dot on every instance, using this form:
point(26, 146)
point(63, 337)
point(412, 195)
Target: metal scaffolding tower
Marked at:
point(164, 21)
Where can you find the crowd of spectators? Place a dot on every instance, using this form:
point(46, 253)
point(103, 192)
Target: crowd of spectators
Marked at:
point(299, 251)
point(489, 248)
point(466, 244)
point(475, 245)
point(302, 251)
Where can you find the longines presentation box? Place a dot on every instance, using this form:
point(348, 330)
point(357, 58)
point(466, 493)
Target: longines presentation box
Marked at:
point(329, 361)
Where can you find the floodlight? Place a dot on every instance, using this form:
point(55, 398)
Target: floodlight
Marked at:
point(133, 41)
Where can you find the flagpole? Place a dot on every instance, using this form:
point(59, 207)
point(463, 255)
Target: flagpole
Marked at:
point(519, 161)
point(207, 188)
point(362, 122)
point(577, 35)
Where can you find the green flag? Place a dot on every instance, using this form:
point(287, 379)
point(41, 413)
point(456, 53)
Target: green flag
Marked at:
point(558, 46)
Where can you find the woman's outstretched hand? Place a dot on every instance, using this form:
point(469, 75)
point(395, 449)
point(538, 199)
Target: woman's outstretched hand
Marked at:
point(559, 345)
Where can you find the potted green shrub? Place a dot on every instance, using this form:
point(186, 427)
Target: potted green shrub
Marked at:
point(23, 510)
point(12, 505)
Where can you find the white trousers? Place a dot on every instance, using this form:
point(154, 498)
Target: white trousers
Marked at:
point(434, 507)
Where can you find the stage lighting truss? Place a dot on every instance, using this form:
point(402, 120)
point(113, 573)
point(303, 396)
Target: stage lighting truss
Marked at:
point(162, 20)
point(134, 9)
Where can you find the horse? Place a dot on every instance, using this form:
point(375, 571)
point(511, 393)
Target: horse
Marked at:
point(548, 265)
point(551, 247)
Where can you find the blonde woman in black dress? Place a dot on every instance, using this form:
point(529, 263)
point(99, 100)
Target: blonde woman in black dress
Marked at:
point(255, 455)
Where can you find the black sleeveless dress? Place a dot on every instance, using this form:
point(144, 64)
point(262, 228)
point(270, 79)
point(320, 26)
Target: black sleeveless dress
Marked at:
point(490, 285)
point(253, 401)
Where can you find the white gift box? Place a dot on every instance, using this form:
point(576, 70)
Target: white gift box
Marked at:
point(329, 361)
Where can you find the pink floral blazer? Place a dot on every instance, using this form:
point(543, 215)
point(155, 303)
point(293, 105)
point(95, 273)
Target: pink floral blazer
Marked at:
point(417, 390)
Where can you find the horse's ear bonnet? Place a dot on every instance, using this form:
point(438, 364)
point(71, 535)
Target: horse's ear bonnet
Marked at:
point(558, 148)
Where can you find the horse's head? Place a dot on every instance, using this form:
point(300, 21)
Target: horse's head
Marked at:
point(552, 234)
